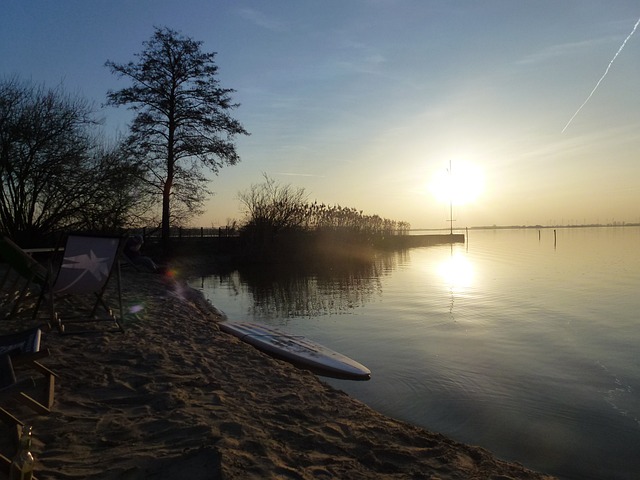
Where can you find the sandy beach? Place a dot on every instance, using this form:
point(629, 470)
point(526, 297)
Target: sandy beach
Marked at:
point(174, 397)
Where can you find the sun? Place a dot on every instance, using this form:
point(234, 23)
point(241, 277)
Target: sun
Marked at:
point(460, 183)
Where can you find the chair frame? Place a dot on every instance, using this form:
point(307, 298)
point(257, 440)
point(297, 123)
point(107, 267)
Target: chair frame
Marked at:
point(23, 349)
point(26, 269)
point(55, 319)
point(14, 391)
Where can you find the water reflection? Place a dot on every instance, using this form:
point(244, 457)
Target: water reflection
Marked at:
point(539, 346)
point(282, 291)
point(456, 272)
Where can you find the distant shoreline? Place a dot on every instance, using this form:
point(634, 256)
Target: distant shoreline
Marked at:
point(531, 227)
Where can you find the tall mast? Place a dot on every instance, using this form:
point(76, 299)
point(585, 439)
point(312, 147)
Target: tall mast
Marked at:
point(450, 199)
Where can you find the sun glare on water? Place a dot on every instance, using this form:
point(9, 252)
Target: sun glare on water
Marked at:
point(456, 272)
point(460, 184)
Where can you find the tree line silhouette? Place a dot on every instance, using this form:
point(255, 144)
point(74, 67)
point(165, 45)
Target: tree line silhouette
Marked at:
point(281, 219)
point(58, 172)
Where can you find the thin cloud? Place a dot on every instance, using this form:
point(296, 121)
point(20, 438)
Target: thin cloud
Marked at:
point(562, 50)
point(262, 20)
point(292, 174)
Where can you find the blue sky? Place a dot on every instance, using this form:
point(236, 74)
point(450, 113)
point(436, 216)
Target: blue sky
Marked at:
point(364, 102)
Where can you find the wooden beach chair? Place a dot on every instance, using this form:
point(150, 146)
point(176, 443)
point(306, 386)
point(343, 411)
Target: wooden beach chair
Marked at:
point(11, 388)
point(21, 273)
point(76, 295)
point(24, 350)
point(18, 350)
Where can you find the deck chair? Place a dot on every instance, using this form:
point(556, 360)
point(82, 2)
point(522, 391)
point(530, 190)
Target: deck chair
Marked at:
point(88, 264)
point(21, 273)
point(24, 350)
point(18, 350)
point(9, 388)
point(25, 342)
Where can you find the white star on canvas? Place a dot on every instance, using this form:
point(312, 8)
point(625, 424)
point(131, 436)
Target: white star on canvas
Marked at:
point(91, 263)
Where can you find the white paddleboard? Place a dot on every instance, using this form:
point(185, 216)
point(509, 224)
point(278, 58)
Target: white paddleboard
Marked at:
point(298, 350)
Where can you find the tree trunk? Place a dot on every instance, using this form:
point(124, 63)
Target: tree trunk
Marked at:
point(166, 216)
point(166, 193)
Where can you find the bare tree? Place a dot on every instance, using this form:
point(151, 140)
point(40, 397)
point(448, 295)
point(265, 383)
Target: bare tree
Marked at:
point(271, 207)
point(182, 121)
point(121, 199)
point(55, 172)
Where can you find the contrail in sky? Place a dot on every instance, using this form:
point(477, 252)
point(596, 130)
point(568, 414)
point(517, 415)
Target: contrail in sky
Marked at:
point(603, 75)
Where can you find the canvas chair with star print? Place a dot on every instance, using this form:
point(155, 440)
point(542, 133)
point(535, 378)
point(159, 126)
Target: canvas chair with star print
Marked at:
point(77, 294)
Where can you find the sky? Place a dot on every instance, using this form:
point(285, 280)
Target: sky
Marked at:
point(380, 104)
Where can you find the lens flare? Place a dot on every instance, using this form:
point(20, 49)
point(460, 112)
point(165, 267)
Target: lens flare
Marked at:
point(133, 309)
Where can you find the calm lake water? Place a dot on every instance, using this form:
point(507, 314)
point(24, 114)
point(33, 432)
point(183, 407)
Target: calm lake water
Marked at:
point(523, 344)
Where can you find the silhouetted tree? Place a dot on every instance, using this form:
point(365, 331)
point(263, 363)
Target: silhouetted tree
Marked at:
point(55, 171)
point(182, 121)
